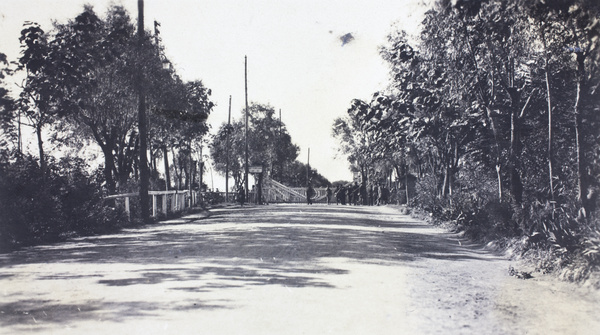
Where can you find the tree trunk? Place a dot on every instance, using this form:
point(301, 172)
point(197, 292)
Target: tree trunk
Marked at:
point(581, 184)
point(38, 132)
point(177, 169)
point(136, 170)
point(19, 136)
point(187, 171)
point(201, 176)
point(167, 172)
point(516, 186)
point(498, 151)
point(406, 183)
point(499, 175)
point(109, 166)
point(446, 181)
point(143, 129)
point(550, 151)
point(152, 163)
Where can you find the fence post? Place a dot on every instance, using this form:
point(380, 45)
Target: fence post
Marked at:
point(154, 205)
point(127, 208)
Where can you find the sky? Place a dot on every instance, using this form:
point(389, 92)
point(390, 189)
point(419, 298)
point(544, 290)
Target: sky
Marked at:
point(297, 59)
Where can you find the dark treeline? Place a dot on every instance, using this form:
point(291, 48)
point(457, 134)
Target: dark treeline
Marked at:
point(494, 112)
point(80, 94)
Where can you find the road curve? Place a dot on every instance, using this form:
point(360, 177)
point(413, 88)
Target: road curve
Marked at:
point(282, 269)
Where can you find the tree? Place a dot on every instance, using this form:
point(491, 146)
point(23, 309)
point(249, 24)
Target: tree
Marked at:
point(353, 140)
point(269, 143)
point(98, 81)
point(181, 125)
point(7, 109)
point(38, 95)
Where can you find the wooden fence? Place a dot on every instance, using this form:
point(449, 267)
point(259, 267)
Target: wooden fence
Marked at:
point(163, 202)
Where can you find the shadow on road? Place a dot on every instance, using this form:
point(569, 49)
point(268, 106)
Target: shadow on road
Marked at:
point(235, 248)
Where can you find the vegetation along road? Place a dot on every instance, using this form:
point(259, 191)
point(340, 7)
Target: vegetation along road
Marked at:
point(282, 269)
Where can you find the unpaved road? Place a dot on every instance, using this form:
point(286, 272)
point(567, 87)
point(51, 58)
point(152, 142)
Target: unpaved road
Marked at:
point(282, 269)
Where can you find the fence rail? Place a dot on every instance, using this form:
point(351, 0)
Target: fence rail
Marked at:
point(163, 202)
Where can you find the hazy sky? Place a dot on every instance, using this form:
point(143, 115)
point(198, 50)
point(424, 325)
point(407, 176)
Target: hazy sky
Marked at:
point(296, 59)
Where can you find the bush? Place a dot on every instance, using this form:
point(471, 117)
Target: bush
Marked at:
point(473, 207)
point(67, 201)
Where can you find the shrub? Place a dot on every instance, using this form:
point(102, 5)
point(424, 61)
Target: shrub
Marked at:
point(67, 201)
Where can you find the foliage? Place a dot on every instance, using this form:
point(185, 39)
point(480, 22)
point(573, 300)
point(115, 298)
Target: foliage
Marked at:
point(494, 110)
point(72, 204)
point(7, 106)
point(297, 172)
point(82, 79)
point(81, 88)
point(269, 145)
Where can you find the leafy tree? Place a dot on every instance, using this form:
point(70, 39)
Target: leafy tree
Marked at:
point(178, 122)
point(38, 96)
point(95, 91)
point(354, 142)
point(7, 108)
point(296, 175)
point(269, 144)
point(98, 80)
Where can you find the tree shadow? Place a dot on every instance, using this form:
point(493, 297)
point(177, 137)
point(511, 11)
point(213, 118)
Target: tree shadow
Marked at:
point(234, 248)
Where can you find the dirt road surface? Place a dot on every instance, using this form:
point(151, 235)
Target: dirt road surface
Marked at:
point(283, 269)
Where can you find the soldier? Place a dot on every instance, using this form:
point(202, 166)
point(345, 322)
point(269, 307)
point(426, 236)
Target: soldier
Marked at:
point(309, 194)
point(241, 195)
point(342, 194)
point(363, 193)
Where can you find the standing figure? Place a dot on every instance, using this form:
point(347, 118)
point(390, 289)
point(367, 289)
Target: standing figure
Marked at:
point(309, 194)
point(241, 195)
point(328, 192)
point(363, 193)
point(355, 193)
point(386, 195)
point(343, 195)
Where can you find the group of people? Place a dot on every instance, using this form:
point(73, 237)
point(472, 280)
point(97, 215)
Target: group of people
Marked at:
point(374, 194)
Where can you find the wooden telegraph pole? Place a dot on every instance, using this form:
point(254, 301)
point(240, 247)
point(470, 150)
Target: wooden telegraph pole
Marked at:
point(144, 173)
point(281, 150)
point(227, 154)
point(308, 168)
point(246, 132)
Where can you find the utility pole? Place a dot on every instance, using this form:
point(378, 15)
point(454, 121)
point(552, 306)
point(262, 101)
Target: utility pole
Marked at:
point(19, 140)
point(227, 154)
point(246, 132)
point(201, 183)
point(281, 149)
point(308, 168)
point(144, 173)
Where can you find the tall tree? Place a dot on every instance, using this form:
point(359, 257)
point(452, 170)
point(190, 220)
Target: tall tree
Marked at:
point(38, 95)
point(7, 109)
point(269, 143)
